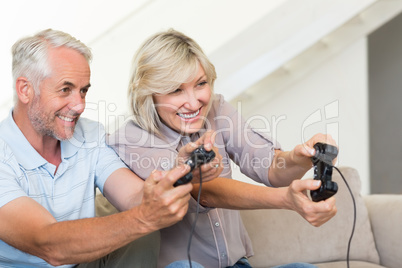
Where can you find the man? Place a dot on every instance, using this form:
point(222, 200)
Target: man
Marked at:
point(51, 162)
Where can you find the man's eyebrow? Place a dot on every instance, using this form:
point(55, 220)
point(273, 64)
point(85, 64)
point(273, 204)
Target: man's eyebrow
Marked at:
point(68, 83)
point(71, 84)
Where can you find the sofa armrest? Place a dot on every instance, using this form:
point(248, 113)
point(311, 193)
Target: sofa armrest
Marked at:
point(385, 212)
point(283, 236)
point(103, 207)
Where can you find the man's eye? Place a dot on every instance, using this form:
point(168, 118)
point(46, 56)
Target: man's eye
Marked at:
point(65, 90)
point(84, 91)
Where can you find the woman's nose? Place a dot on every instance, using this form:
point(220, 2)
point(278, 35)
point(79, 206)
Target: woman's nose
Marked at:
point(192, 101)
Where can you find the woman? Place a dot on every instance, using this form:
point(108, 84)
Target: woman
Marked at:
point(172, 103)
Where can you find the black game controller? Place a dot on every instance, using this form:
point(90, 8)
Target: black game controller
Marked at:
point(198, 157)
point(322, 160)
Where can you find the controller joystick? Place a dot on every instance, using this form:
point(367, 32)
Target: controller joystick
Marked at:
point(198, 157)
point(322, 160)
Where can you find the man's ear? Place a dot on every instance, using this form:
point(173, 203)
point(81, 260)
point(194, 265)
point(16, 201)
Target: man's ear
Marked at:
point(24, 89)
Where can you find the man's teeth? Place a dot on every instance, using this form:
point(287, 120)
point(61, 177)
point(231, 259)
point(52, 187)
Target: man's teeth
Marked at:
point(189, 116)
point(66, 118)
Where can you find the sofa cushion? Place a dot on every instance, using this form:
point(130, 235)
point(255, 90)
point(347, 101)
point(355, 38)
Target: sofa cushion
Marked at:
point(283, 236)
point(354, 264)
point(386, 218)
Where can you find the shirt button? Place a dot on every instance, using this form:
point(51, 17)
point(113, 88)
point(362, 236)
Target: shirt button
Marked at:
point(217, 224)
point(165, 165)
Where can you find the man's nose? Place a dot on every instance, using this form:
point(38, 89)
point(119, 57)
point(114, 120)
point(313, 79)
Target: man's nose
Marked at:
point(77, 104)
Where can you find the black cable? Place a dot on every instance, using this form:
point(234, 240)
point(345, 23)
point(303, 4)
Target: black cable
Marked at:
point(198, 210)
point(354, 216)
point(195, 220)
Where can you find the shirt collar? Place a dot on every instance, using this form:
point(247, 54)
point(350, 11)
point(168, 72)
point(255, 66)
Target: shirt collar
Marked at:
point(25, 154)
point(174, 138)
point(169, 135)
point(70, 147)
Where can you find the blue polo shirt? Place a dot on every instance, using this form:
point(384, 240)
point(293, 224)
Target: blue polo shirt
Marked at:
point(69, 194)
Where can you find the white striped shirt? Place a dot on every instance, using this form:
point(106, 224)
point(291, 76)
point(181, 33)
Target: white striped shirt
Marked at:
point(69, 194)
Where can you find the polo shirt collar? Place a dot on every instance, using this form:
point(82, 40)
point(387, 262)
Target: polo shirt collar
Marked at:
point(71, 146)
point(25, 154)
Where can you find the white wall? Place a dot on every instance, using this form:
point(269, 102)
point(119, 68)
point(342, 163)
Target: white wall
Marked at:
point(215, 30)
point(338, 92)
point(113, 52)
point(115, 29)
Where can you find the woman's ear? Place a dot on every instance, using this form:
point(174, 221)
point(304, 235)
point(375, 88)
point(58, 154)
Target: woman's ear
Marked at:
point(24, 89)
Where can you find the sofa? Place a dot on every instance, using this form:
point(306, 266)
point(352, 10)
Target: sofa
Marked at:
point(283, 236)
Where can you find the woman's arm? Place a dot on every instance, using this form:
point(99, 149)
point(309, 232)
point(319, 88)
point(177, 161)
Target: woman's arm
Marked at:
point(233, 194)
point(292, 165)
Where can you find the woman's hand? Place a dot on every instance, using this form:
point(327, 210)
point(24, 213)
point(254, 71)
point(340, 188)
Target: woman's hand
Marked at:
point(316, 213)
point(302, 153)
point(291, 165)
point(209, 170)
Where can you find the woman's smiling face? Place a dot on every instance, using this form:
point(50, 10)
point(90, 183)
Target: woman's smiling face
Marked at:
point(185, 109)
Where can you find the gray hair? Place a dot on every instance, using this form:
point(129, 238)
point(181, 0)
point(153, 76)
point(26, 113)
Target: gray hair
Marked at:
point(163, 62)
point(30, 54)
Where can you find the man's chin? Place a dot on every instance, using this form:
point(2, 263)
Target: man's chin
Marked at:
point(66, 135)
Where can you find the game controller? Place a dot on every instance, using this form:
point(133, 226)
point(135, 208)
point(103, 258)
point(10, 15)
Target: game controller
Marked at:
point(322, 160)
point(198, 157)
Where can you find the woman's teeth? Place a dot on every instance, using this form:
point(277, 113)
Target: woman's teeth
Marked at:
point(189, 116)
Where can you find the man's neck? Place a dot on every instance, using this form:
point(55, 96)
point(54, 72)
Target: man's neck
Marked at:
point(48, 147)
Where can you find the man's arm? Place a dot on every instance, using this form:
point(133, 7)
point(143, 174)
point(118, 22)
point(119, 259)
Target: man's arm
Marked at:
point(28, 226)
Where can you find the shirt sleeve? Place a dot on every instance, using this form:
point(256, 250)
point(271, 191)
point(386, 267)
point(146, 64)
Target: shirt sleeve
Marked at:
point(108, 162)
point(252, 150)
point(141, 151)
point(10, 176)
point(142, 158)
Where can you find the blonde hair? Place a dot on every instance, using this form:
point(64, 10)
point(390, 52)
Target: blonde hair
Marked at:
point(163, 62)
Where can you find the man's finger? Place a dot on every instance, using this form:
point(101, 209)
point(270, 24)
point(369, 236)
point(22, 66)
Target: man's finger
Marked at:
point(155, 177)
point(171, 176)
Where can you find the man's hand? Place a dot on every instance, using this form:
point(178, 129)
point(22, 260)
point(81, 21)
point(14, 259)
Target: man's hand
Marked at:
point(163, 204)
point(209, 170)
point(316, 213)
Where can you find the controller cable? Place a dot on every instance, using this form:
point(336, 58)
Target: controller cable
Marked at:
point(354, 215)
point(195, 220)
point(198, 211)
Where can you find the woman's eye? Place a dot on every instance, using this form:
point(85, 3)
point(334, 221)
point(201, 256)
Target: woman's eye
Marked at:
point(176, 91)
point(203, 83)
